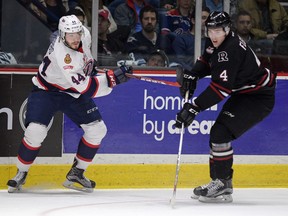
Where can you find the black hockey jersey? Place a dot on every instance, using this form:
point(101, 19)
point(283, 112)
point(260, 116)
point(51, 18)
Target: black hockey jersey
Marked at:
point(234, 69)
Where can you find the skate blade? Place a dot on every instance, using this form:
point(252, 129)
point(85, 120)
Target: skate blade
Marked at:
point(226, 198)
point(194, 196)
point(14, 189)
point(74, 186)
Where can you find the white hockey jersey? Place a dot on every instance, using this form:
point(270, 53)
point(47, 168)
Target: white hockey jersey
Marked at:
point(67, 70)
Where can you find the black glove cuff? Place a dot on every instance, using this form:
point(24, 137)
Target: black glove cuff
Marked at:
point(192, 108)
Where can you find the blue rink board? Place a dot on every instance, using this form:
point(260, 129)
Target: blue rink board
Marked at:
point(139, 117)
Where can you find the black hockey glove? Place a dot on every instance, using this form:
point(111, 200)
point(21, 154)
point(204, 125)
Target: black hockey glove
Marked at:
point(186, 115)
point(189, 82)
point(118, 76)
point(94, 71)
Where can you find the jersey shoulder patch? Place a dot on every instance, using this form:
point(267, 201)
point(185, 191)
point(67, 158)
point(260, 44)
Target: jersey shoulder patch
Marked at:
point(67, 59)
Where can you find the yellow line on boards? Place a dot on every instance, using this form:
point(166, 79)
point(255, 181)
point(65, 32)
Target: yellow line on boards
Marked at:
point(120, 176)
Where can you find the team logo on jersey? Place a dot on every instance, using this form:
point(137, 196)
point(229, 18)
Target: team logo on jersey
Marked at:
point(222, 56)
point(67, 59)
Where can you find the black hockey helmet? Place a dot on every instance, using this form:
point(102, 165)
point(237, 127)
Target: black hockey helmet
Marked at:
point(218, 19)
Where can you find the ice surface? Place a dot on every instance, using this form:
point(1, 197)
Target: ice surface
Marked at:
point(140, 202)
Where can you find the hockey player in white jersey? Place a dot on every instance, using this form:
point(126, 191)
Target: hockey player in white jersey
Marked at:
point(67, 82)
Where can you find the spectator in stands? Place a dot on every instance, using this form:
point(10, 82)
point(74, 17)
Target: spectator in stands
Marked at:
point(7, 58)
point(109, 47)
point(113, 25)
point(54, 9)
point(126, 16)
point(168, 4)
point(114, 4)
point(154, 3)
point(86, 7)
point(280, 44)
point(243, 25)
point(178, 20)
point(72, 4)
point(269, 17)
point(142, 43)
point(183, 45)
point(214, 5)
point(78, 13)
point(157, 59)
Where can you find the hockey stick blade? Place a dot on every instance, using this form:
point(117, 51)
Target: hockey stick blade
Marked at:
point(148, 79)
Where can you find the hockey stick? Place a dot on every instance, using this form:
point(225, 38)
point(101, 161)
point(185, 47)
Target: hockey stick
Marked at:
point(148, 79)
point(172, 200)
point(152, 80)
point(179, 78)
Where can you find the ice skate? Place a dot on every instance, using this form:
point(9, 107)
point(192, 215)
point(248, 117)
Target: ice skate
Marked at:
point(217, 191)
point(77, 181)
point(15, 184)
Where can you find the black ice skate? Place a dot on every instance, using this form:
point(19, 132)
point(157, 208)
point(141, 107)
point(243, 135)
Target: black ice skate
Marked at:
point(217, 191)
point(15, 184)
point(77, 181)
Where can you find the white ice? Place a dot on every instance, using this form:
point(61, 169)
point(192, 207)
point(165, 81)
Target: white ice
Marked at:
point(140, 202)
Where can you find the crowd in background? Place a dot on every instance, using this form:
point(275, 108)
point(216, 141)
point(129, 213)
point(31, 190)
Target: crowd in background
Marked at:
point(162, 33)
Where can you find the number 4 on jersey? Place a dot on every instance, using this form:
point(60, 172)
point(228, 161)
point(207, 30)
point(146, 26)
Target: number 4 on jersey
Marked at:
point(224, 76)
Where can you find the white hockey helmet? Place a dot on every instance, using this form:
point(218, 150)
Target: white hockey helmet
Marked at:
point(69, 24)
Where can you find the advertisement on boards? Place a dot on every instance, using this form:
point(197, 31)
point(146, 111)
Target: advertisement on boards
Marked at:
point(14, 92)
point(140, 117)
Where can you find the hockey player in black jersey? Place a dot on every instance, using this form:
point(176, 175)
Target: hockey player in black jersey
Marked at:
point(236, 74)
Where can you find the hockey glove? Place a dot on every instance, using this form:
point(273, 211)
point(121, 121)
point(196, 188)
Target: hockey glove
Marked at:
point(94, 70)
point(91, 71)
point(186, 115)
point(189, 83)
point(118, 76)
